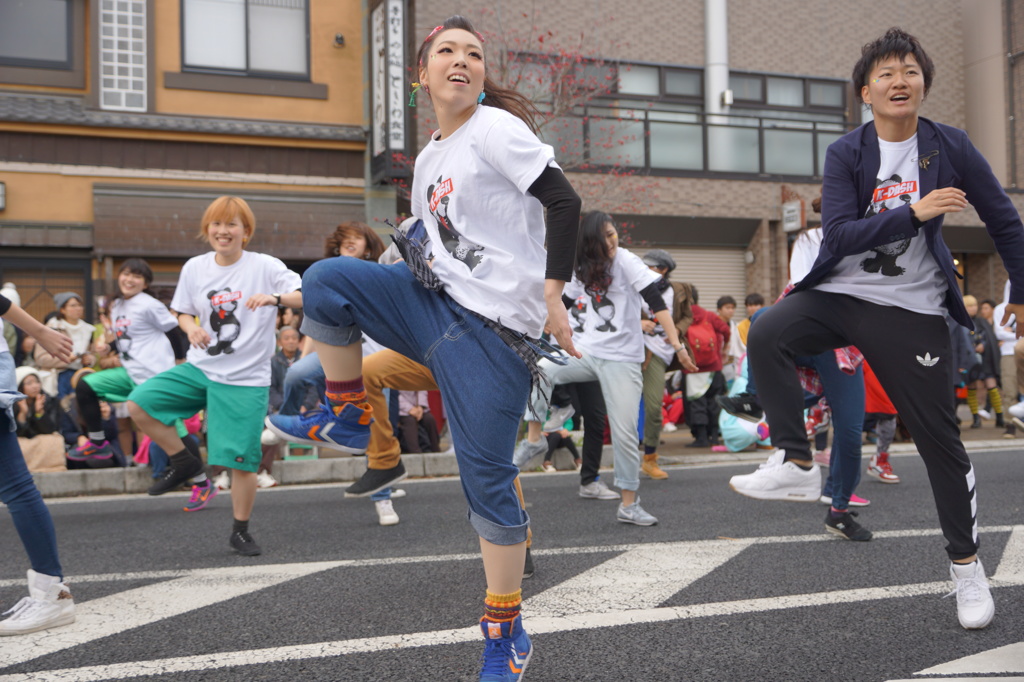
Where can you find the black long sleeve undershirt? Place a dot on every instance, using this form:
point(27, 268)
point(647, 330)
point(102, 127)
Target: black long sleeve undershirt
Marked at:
point(563, 206)
point(653, 297)
point(5, 305)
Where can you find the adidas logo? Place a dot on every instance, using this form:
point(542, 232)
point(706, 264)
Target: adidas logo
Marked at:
point(927, 360)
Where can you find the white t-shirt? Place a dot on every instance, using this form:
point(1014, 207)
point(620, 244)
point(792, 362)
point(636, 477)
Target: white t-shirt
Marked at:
point(241, 340)
point(610, 326)
point(488, 234)
point(140, 324)
point(81, 337)
point(903, 273)
point(657, 342)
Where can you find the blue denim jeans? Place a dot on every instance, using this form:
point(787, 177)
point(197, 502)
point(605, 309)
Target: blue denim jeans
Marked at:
point(622, 385)
point(305, 372)
point(18, 491)
point(483, 382)
point(845, 395)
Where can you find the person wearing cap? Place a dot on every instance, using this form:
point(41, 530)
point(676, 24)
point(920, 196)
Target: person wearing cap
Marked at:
point(68, 320)
point(49, 603)
point(38, 424)
point(659, 355)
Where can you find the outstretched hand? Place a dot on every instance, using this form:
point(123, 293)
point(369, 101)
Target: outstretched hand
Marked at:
point(558, 325)
point(1014, 309)
point(56, 343)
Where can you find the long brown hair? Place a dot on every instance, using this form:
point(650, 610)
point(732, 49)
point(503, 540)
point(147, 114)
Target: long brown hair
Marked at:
point(374, 244)
point(496, 96)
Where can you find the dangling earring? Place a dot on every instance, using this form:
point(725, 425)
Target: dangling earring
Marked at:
point(480, 99)
point(412, 95)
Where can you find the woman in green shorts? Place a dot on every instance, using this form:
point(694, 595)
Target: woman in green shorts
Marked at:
point(138, 328)
point(227, 372)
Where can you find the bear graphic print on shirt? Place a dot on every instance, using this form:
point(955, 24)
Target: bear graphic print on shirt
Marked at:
point(223, 320)
point(889, 194)
point(439, 196)
point(122, 325)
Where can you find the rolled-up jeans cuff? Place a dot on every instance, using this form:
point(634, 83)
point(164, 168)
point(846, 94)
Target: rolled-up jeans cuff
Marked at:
point(333, 336)
point(499, 535)
point(627, 485)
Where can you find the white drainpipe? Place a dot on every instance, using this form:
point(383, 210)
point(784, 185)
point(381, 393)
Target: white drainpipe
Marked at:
point(717, 96)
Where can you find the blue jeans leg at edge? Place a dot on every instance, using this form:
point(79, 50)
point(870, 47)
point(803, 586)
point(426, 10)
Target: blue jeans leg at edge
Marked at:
point(483, 382)
point(306, 372)
point(845, 395)
point(31, 517)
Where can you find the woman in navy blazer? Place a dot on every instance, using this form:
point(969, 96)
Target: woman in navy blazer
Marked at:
point(884, 281)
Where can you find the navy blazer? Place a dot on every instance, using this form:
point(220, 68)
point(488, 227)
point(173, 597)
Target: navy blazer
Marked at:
point(948, 159)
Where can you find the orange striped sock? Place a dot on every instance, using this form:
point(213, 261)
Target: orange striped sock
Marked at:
point(502, 608)
point(340, 392)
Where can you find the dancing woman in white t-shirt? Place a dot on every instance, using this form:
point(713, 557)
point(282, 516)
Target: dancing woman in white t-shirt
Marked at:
point(614, 281)
point(481, 186)
point(137, 326)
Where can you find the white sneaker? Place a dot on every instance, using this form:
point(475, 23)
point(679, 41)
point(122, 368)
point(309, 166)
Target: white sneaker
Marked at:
point(397, 493)
point(265, 480)
point(669, 427)
point(222, 481)
point(268, 437)
point(386, 514)
point(48, 605)
point(526, 451)
point(557, 418)
point(635, 514)
point(1017, 414)
point(984, 414)
point(597, 490)
point(548, 468)
point(780, 480)
point(974, 605)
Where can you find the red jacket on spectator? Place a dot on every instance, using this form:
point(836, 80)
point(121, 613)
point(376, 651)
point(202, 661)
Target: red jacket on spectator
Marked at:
point(702, 316)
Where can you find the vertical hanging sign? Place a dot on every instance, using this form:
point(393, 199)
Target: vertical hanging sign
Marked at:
point(389, 90)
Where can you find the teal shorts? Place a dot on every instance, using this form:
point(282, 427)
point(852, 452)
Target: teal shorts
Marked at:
point(115, 385)
point(234, 414)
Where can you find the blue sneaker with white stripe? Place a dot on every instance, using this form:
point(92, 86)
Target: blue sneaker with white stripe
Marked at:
point(507, 652)
point(347, 431)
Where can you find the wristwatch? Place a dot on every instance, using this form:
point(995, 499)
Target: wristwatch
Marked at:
point(277, 298)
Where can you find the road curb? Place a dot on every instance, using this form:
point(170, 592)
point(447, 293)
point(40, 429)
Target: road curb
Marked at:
point(345, 468)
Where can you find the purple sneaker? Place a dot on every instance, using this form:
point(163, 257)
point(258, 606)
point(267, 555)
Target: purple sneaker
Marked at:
point(91, 451)
point(201, 496)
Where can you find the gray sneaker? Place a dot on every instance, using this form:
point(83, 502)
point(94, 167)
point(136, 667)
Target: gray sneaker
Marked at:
point(526, 451)
point(635, 514)
point(596, 490)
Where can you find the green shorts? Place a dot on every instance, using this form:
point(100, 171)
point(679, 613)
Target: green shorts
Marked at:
point(115, 385)
point(234, 414)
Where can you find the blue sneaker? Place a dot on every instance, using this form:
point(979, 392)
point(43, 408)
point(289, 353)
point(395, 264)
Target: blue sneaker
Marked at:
point(507, 652)
point(348, 431)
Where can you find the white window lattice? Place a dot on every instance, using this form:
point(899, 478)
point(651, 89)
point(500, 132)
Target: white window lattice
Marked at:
point(123, 55)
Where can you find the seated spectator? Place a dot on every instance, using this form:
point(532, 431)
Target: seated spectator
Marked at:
point(288, 342)
point(418, 426)
point(560, 439)
point(75, 432)
point(38, 419)
point(68, 319)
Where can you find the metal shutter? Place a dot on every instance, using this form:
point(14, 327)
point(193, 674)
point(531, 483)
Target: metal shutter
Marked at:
point(715, 273)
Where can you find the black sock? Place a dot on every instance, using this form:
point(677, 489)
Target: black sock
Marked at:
point(181, 457)
point(805, 467)
point(240, 526)
point(192, 445)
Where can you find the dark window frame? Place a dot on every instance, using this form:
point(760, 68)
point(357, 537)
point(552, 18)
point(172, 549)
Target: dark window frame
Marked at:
point(247, 72)
point(66, 74)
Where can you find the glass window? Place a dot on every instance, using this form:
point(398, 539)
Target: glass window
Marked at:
point(824, 140)
point(732, 150)
point(249, 36)
point(616, 143)
point(746, 87)
point(682, 83)
point(639, 80)
point(786, 92)
point(676, 146)
point(826, 94)
point(36, 33)
point(788, 152)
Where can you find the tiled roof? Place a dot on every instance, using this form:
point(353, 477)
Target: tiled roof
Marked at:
point(71, 111)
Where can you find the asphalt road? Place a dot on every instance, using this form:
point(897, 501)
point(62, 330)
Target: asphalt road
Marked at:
point(724, 588)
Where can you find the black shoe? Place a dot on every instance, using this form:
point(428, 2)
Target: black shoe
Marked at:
point(243, 543)
point(976, 423)
point(999, 420)
point(528, 566)
point(742, 405)
point(846, 527)
point(1011, 432)
point(176, 475)
point(375, 480)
